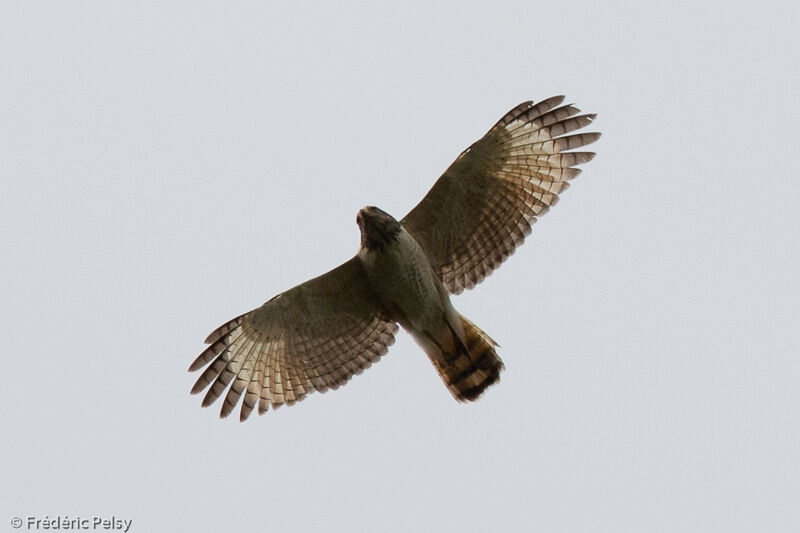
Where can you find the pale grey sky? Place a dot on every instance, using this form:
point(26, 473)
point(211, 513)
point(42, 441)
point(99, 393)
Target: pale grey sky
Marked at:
point(169, 165)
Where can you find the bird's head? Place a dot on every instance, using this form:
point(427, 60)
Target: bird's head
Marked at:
point(378, 228)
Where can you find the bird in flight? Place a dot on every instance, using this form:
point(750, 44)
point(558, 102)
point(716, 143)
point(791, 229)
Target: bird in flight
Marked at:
point(317, 335)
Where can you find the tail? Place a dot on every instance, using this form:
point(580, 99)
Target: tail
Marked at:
point(469, 364)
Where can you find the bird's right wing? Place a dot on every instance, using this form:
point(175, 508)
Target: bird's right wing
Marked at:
point(314, 336)
point(483, 206)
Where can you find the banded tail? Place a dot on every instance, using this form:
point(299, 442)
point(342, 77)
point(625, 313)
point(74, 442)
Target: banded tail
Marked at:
point(470, 365)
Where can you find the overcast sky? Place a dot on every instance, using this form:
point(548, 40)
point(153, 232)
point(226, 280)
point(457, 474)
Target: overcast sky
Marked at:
point(167, 166)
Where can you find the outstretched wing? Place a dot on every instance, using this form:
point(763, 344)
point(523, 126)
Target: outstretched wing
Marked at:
point(314, 336)
point(483, 206)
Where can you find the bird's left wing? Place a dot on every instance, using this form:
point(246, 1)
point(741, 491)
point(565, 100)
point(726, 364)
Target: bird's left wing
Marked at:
point(315, 336)
point(483, 206)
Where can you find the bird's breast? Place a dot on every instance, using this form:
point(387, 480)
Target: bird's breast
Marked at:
point(403, 279)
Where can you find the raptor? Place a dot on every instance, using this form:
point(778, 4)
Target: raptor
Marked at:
point(317, 335)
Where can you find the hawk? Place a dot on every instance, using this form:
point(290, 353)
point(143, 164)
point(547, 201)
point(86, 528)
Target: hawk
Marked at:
point(317, 335)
